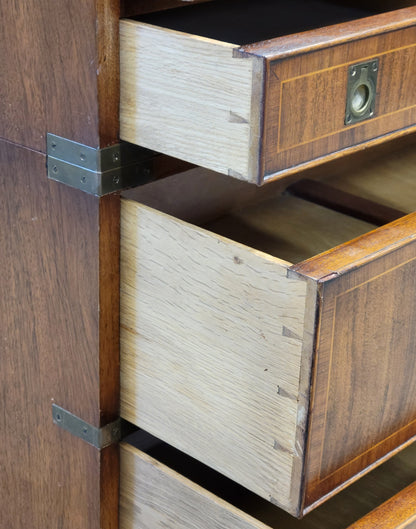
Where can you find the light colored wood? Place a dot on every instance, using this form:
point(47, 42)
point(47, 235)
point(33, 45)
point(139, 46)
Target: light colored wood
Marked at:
point(289, 228)
point(152, 496)
point(390, 181)
point(163, 490)
point(187, 96)
point(212, 345)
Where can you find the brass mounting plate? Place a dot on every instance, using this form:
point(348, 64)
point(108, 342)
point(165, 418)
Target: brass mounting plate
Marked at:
point(361, 91)
point(97, 171)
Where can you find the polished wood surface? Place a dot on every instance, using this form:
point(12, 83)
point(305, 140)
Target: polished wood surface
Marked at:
point(300, 129)
point(60, 72)
point(363, 388)
point(58, 345)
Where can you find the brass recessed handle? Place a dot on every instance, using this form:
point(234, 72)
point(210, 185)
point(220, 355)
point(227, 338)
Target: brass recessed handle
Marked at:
point(361, 91)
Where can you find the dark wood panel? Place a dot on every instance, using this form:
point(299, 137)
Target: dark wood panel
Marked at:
point(59, 71)
point(364, 385)
point(56, 342)
point(301, 129)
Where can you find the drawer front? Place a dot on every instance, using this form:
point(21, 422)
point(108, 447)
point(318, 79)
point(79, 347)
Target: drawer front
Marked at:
point(262, 111)
point(305, 115)
point(364, 385)
point(218, 341)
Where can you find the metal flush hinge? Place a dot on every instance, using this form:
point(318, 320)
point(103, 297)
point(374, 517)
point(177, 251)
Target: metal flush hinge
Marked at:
point(98, 437)
point(97, 171)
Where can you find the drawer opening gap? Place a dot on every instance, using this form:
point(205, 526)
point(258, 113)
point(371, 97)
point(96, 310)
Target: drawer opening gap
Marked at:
point(337, 513)
point(244, 21)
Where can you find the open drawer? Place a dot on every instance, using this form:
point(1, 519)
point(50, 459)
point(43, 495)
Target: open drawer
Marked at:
point(267, 344)
point(161, 487)
point(324, 80)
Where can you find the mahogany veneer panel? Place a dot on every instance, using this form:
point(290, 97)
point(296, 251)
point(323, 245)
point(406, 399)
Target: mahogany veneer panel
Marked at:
point(59, 344)
point(59, 71)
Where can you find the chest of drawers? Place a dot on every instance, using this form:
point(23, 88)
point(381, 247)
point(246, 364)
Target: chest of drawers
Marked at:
point(60, 291)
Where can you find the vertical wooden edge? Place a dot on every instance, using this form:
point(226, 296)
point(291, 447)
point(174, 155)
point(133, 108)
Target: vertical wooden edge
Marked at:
point(110, 487)
point(297, 492)
point(397, 513)
point(108, 70)
point(109, 352)
point(256, 160)
point(109, 298)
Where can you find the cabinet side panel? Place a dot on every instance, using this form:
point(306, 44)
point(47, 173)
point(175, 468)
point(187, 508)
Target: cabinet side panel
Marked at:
point(59, 71)
point(49, 348)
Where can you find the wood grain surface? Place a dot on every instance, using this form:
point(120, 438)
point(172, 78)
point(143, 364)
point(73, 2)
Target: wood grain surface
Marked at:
point(60, 72)
point(281, 111)
point(58, 345)
point(164, 487)
point(215, 341)
point(188, 97)
point(388, 180)
point(297, 129)
point(363, 397)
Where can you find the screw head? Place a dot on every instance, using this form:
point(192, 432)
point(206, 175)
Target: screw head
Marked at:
point(82, 157)
point(374, 66)
point(55, 169)
point(116, 157)
point(58, 417)
point(353, 72)
point(83, 179)
point(116, 180)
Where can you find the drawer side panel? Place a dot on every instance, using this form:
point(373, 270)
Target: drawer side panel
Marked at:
point(214, 352)
point(188, 97)
point(153, 496)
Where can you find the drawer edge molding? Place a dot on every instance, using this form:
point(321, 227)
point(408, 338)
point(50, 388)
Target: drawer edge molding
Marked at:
point(316, 39)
